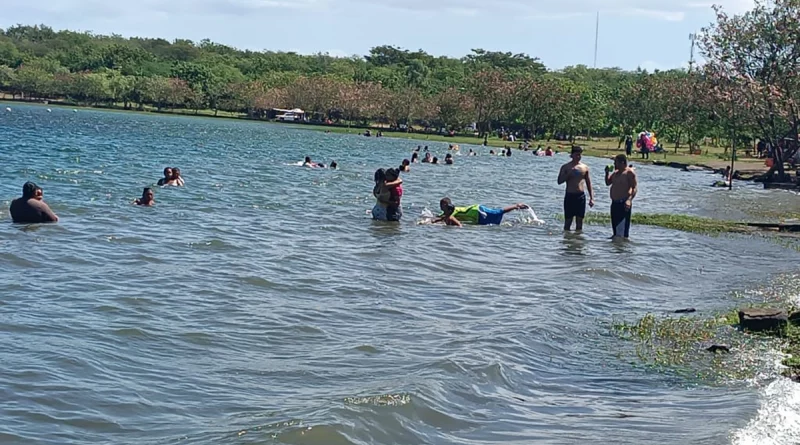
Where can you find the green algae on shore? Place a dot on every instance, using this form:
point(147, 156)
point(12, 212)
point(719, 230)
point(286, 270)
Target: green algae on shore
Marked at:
point(685, 223)
point(712, 349)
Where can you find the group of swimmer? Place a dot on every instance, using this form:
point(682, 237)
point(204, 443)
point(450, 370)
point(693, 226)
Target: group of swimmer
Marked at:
point(30, 208)
point(429, 158)
point(620, 177)
point(172, 178)
point(388, 192)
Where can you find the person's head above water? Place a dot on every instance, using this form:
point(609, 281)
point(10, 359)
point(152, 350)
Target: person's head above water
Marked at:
point(176, 172)
point(406, 163)
point(168, 172)
point(334, 164)
point(308, 160)
point(446, 206)
point(392, 174)
point(31, 190)
point(576, 153)
point(435, 160)
point(147, 194)
point(380, 175)
point(621, 162)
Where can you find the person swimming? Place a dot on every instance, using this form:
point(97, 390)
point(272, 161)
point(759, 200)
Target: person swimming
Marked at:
point(448, 159)
point(472, 153)
point(334, 165)
point(414, 158)
point(311, 164)
point(167, 176)
point(405, 166)
point(428, 158)
point(31, 208)
point(148, 198)
point(474, 214)
point(435, 160)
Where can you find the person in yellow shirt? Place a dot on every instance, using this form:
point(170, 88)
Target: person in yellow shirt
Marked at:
point(474, 214)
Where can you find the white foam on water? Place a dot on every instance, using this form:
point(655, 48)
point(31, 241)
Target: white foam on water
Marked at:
point(778, 418)
point(529, 216)
point(426, 217)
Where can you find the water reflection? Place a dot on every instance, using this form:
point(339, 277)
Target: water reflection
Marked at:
point(574, 243)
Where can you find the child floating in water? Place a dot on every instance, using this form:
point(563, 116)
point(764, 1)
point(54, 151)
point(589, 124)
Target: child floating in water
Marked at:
point(148, 198)
point(475, 214)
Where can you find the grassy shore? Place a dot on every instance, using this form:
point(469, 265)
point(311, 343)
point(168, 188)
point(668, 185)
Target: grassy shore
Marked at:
point(710, 156)
point(681, 345)
point(685, 223)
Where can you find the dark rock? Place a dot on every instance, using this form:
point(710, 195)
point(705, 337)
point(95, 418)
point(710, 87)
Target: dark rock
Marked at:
point(795, 319)
point(762, 319)
point(688, 310)
point(718, 348)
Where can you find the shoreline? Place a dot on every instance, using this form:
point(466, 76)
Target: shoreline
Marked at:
point(748, 169)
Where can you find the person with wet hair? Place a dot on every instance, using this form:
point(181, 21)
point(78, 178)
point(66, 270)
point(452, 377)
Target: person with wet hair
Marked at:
point(474, 214)
point(148, 198)
point(31, 208)
point(395, 186)
point(167, 176)
point(383, 194)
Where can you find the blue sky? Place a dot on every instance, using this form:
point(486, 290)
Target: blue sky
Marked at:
point(647, 33)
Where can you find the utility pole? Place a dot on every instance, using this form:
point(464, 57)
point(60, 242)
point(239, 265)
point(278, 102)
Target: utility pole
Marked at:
point(692, 38)
point(596, 37)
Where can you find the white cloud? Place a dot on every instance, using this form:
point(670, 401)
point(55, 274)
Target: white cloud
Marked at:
point(668, 10)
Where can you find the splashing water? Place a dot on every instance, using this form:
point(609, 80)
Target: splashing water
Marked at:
point(528, 216)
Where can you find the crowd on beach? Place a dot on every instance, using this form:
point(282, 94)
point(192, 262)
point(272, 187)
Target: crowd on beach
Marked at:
point(388, 192)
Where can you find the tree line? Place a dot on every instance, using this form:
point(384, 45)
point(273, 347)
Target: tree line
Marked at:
point(746, 88)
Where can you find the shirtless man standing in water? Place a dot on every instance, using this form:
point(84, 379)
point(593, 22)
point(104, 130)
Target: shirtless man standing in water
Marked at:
point(575, 173)
point(623, 189)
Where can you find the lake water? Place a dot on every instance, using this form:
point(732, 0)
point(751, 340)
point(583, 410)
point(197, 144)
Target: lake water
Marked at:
point(260, 304)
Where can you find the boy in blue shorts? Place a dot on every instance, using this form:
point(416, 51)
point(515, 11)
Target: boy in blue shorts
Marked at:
point(474, 214)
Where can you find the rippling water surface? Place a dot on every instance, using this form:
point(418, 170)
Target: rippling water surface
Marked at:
point(260, 304)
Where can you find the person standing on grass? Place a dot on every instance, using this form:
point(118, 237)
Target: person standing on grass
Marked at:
point(575, 173)
point(624, 185)
point(628, 145)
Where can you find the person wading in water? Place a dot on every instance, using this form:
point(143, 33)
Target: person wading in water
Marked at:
point(575, 173)
point(623, 182)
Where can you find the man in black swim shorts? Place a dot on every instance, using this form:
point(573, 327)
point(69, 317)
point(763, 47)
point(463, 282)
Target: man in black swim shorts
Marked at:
point(575, 173)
